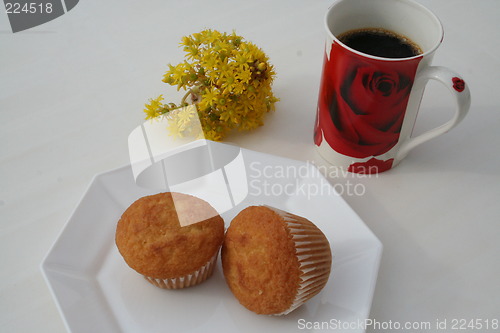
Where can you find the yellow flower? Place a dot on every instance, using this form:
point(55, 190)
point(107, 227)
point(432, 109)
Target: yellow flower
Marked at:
point(153, 109)
point(174, 129)
point(209, 97)
point(244, 76)
point(184, 117)
point(228, 78)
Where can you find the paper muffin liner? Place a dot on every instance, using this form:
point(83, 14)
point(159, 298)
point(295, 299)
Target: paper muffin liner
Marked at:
point(188, 280)
point(314, 256)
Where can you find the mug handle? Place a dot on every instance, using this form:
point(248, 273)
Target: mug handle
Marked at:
point(456, 85)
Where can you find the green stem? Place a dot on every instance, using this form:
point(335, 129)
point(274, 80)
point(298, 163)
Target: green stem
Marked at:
point(183, 100)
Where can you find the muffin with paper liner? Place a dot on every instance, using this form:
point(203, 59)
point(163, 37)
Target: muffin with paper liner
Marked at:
point(172, 239)
point(274, 261)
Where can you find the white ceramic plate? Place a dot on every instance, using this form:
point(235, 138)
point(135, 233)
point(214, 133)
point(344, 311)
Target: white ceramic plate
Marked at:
point(97, 292)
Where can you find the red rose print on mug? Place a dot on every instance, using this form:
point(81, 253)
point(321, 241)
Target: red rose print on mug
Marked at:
point(362, 102)
point(371, 166)
point(318, 135)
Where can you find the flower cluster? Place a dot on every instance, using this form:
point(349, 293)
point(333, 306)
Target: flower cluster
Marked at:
point(228, 79)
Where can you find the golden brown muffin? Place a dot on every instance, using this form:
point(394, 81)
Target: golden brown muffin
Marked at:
point(274, 261)
point(153, 242)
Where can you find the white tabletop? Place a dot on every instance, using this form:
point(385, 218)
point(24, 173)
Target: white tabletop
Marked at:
point(72, 90)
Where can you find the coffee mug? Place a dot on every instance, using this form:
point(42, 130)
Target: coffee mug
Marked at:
point(377, 62)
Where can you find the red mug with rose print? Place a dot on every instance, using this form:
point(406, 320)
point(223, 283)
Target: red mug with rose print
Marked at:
point(367, 104)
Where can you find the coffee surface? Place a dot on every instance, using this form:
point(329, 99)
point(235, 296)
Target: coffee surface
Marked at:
point(380, 43)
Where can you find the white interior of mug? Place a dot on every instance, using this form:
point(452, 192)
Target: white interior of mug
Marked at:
point(404, 17)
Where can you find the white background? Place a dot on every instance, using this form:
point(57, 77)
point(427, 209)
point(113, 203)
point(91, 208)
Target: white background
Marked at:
point(72, 90)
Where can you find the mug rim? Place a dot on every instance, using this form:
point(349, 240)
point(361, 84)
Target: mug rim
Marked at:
point(366, 55)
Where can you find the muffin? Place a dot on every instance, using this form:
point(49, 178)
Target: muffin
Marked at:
point(172, 239)
point(274, 261)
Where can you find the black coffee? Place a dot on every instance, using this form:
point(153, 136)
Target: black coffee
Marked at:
point(380, 43)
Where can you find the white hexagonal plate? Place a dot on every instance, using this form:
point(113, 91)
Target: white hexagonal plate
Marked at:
point(97, 292)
